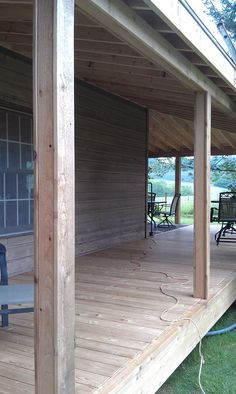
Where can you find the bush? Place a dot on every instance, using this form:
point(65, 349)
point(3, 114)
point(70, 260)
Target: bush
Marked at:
point(162, 187)
point(187, 209)
point(187, 190)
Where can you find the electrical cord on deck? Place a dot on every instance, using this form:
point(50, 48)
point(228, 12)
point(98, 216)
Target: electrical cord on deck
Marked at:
point(202, 361)
point(210, 333)
point(182, 282)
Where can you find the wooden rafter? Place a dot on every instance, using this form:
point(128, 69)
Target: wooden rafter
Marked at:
point(105, 58)
point(133, 29)
point(180, 139)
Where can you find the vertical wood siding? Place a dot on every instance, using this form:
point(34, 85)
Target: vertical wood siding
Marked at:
point(110, 150)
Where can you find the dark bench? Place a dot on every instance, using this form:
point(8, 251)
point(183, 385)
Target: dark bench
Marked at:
point(14, 294)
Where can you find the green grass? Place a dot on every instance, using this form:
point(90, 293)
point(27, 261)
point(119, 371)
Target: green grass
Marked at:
point(219, 370)
point(187, 211)
point(186, 219)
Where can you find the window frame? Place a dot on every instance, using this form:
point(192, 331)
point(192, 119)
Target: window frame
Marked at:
point(26, 228)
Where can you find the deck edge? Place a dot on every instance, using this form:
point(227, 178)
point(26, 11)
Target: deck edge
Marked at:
point(150, 369)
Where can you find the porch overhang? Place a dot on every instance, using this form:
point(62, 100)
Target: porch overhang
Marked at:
point(132, 49)
point(127, 24)
point(184, 22)
point(118, 48)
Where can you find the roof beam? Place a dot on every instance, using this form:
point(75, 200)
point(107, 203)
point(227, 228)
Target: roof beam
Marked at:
point(177, 16)
point(125, 69)
point(137, 62)
point(127, 78)
point(141, 93)
point(138, 5)
point(124, 22)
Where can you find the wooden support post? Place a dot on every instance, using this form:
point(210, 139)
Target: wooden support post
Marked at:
point(202, 145)
point(54, 195)
point(178, 186)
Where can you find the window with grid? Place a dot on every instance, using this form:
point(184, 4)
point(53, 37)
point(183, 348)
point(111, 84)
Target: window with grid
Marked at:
point(16, 172)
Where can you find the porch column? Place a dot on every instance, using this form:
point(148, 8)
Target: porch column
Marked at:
point(202, 146)
point(178, 186)
point(54, 195)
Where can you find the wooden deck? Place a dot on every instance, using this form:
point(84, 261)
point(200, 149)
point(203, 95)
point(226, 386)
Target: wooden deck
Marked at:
point(123, 342)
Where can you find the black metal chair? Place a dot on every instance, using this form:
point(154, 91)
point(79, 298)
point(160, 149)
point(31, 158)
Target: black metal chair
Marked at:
point(151, 207)
point(15, 294)
point(168, 213)
point(227, 218)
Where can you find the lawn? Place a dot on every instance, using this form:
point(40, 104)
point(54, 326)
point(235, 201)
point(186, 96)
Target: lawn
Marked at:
point(219, 372)
point(186, 201)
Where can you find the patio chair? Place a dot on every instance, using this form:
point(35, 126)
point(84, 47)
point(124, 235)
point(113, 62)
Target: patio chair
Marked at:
point(170, 212)
point(15, 294)
point(214, 215)
point(227, 217)
point(151, 207)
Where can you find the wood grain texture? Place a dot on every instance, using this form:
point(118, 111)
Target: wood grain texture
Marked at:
point(54, 196)
point(107, 58)
point(110, 148)
point(122, 345)
point(172, 136)
point(202, 126)
point(133, 29)
point(20, 253)
point(15, 81)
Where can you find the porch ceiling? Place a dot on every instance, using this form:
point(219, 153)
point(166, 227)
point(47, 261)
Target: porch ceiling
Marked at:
point(171, 136)
point(104, 60)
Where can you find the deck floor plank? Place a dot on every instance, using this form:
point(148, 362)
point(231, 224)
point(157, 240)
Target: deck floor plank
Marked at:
point(119, 304)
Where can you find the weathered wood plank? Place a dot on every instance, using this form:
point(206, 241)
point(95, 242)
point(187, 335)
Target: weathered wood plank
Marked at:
point(123, 21)
point(54, 195)
point(119, 334)
point(19, 253)
point(110, 203)
point(202, 151)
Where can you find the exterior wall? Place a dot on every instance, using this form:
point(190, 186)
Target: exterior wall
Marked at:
point(110, 165)
point(15, 81)
point(20, 251)
point(16, 93)
point(110, 170)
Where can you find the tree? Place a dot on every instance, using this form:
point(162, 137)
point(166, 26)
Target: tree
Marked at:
point(223, 171)
point(160, 167)
point(227, 14)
